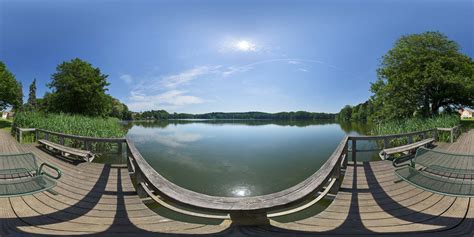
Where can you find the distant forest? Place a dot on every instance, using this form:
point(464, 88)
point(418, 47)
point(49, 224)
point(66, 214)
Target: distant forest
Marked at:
point(299, 115)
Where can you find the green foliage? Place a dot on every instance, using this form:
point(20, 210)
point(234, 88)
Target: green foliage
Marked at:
point(421, 74)
point(299, 115)
point(5, 124)
point(32, 103)
point(119, 110)
point(78, 88)
point(70, 124)
point(345, 114)
point(417, 124)
point(10, 89)
point(360, 112)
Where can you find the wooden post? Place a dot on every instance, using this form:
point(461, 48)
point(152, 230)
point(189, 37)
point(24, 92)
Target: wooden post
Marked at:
point(410, 139)
point(36, 134)
point(386, 143)
point(354, 150)
point(61, 140)
point(46, 136)
point(346, 155)
point(87, 145)
point(452, 135)
point(21, 136)
point(119, 148)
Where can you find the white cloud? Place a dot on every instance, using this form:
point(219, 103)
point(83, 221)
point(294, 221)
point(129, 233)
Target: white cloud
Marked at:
point(126, 78)
point(294, 62)
point(174, 91)
point(173, 81)
point(172, 99)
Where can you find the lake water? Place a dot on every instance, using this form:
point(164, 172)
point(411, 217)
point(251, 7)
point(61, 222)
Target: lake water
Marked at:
point(238, 158)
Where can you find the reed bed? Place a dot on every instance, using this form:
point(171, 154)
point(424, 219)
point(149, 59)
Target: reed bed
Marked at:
point(70, 124)
point(417, 124)
point(73, 125)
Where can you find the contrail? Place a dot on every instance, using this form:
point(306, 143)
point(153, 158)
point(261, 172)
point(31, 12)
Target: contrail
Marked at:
point(290, 59)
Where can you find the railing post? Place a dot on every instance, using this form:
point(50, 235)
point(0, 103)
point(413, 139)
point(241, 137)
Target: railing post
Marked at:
point(354, 150)
point(119, 148)
point(61, 140)
point(36, 134)
point(386, 143)
point(21, 136)
point(410, 139)
point(87, 145)
point(452, 135)
point(46, 136)
point(345, 154)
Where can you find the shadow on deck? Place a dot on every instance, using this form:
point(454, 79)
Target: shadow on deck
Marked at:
point(95, 199)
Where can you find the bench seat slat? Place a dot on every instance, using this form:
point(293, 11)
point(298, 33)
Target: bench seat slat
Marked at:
point(408, 147)
point(86, 155)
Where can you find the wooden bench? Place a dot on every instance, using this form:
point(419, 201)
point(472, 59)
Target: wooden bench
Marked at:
point(20, 175)
point(405, 148)
point(68, 151)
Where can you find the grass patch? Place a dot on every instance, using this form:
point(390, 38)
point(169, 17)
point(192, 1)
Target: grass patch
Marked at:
point(417, 124)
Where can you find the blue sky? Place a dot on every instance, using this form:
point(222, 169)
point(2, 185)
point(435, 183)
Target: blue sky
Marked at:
point(203, 56)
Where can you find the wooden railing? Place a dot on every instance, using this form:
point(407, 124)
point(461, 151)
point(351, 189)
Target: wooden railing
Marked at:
point(454, 131)
point(151, 184)
point(111, 145)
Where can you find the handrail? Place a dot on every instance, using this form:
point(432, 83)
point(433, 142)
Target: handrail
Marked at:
point(391, 136)
point(91, 139)
point(326, 176)
point(146, 174)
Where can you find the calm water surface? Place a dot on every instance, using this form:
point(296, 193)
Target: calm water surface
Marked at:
point(238, 158)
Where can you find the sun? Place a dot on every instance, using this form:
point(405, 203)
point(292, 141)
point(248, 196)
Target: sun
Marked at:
point(245, 45)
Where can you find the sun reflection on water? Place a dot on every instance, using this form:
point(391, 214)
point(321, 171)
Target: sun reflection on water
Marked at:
point(241, 191)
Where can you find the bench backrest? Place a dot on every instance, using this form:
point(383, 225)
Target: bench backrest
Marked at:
point(16, 164)
point(444, 161)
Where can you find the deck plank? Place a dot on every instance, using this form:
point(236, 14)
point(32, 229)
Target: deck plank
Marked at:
point(95, 199)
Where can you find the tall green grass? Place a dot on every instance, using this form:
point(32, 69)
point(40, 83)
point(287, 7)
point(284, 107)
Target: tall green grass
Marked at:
point(418, 124)
point(70, 124)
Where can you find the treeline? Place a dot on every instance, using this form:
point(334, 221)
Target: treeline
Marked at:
point(299, 115)
point(361, 112)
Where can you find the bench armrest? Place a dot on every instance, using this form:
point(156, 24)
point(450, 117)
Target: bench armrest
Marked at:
point(400, 162)
point(58, 171)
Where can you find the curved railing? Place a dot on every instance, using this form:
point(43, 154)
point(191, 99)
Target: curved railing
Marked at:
point(149, 183)
point(144, 173)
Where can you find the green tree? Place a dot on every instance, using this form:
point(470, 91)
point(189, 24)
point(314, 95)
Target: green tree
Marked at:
point(421, 74)
point(79, 88)
point(119, 110)
point(345, 114)
point(32, 103)
point(10, 89)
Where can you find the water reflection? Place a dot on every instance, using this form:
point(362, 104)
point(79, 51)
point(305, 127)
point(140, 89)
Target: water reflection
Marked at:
point(237, 157)
point(241, 191)
point(169, 138)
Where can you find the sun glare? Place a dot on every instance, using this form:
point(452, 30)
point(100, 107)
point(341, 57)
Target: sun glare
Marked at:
point(245, 46)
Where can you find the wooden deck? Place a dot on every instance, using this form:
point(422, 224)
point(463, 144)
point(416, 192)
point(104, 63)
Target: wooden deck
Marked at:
point(95, 199)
